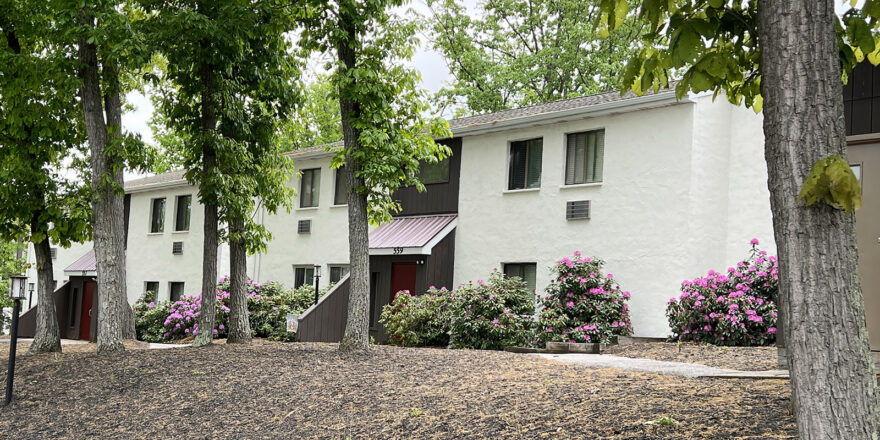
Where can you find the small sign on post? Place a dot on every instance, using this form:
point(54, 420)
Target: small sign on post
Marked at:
point(292, 322)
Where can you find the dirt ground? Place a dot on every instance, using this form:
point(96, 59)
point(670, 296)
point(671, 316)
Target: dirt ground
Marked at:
point(301, 390)
point(736, 358)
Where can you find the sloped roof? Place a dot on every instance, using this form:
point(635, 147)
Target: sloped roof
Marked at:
point(86, 263)
point(408, 232)
point(164, 178)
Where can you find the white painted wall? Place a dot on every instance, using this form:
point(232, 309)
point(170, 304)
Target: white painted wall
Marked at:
point(659, 216)
point(63, 257)
point(326, 245)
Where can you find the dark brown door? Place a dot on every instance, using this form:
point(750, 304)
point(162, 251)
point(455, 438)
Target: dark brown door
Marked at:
point(403, 277)
point(866, 163)
point(85, 319)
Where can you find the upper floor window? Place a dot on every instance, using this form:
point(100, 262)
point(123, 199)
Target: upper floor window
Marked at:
point(310, 188)
point(584, 153)
point(157, 216)
point(524, 271)
point(434, 172)
point(340, 190)
point(525, 164)
point(182, 213)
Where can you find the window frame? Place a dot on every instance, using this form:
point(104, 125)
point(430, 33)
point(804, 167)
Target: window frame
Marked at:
point(336, 181)
point(314, 196)
point(344, 268)
point(861, 167)
point(511, 145)
point(177, 199)
point(447, 161)
point(307, 280)
point(171, 285)
point(522, 264)
point(147, 288)
point(152, 218)
point(598, 147)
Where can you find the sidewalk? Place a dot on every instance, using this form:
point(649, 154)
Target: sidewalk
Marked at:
point(660, 367)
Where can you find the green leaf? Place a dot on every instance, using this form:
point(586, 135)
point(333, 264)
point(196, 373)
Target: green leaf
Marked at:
point(832, 182)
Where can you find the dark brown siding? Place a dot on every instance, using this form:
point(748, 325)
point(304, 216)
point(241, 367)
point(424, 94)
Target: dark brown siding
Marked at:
point(27, 322)
point(861, 100)
point(438, 198)
point(326, 323)
point(126, 209)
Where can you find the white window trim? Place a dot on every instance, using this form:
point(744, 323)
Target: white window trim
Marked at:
point(581, 185)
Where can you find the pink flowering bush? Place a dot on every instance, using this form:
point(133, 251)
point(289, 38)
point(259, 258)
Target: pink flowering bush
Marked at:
point(582, 304)
point(492, 314)
point(736, 307)
point(418, 320)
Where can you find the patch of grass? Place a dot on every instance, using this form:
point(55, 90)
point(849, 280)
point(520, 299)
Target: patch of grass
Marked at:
point(662, 421)
point(416, 412)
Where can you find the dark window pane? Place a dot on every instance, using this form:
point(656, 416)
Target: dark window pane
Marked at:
point(182, 213)
point(434, 172)
point(373, 307)
point(584, 157)
point(176, 291)
point(74, 297)
point(303, 276)
point(525, 164)
point(157, 216)
point(533, 167)
point(152, 286)
point(525, 271)
point(310, 187)
point(518, 152)
point(340, 196)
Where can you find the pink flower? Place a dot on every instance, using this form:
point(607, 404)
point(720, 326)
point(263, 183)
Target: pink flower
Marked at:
point(771, 330)
point(569, 304)
point(754, 241)
point(577, 253)
point(479, 281)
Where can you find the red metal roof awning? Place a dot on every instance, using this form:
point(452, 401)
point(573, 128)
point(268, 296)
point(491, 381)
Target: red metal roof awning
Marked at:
point(85, 265)
point(411, 235)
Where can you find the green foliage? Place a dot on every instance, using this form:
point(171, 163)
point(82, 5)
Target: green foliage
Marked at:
point(832, 181)
point(491, 315)
point(517, 53)
point(418, 320)
point(317, 122)
point(386, 107)
point(583, 304)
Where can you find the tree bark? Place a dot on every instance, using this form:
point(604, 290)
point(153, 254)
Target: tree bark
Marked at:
point(357, 327)
point(832, 374)
point(239, 324)
point(106, 203)
point(48, 337)
point(209, 253)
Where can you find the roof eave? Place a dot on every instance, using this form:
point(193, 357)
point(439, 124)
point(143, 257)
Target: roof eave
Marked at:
point(155, 186)
point(625, 105)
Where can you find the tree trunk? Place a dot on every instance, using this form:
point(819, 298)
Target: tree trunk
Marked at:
point(357, 328)
point(832, 374)
point(209, 253)
point(48, 337)
point(239, 324)
point(106, 203)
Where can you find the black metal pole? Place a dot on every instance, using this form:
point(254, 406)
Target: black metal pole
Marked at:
point(13, 342)
point(317, 277)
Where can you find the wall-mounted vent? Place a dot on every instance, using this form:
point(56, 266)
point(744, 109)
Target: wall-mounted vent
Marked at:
point(304, 227)
point(177, 248)
point(53, 252)
point(577, 210)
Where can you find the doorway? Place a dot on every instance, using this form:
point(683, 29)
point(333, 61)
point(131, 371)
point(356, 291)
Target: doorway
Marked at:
point(403, 277)
point(85, 319)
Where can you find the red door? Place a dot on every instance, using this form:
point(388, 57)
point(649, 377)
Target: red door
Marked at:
point(85, 318)
point(403, 277)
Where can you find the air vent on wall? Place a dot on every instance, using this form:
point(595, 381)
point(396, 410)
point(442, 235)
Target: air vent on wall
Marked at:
point(53, 252)
point(177, 248)
point(577, 210)
point(304, 227)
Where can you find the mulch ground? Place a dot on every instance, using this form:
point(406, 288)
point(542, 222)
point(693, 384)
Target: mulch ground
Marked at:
point(736, 358)
point(302, 390)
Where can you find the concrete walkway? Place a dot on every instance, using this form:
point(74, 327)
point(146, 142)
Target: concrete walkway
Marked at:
point(28, 340)
point(660, 367)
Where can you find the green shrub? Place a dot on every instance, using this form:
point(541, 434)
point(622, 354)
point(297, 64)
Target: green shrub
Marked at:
point(582, 304)
point(418, 321)
point(151, 316)
point(491, 315)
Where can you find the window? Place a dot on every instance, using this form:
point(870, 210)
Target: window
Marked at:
point(857, 170)
point(53, 253)
point(71, 315)
point(309, 188)
point(151, 289)
point(157, 216)
point(337, 272)
point(584, 153)
point(434, 172)
point(182, 212)
point(175, 290)
point(526, 271)
point(303, 276)
point(525, 164)
point(340, 195)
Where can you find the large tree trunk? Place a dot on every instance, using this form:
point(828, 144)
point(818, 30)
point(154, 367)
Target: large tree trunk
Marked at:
point(113, 166)
point(357, 328)
point(104, 202)
point(209, 252)
point(832, 374)
point(239, 324)
point(48, 337)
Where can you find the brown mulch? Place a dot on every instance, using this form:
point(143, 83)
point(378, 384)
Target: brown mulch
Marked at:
point(301, 390)
point(736, 358)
